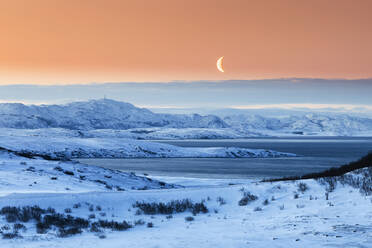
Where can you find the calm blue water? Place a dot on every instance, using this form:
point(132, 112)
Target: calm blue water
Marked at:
point(317, 154)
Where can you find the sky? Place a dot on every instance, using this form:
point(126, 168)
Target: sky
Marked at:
point(51, 42)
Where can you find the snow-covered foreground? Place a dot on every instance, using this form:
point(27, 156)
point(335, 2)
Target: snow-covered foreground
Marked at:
point(282, 214)
point(60, 146)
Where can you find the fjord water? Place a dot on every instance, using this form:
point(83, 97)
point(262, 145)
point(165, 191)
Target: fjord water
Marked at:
point(316, 154)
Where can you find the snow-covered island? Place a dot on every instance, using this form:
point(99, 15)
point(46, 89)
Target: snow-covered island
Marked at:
point(63, 147)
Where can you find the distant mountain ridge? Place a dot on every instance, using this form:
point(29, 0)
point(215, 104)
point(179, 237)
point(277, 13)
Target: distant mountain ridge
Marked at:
point(115, 115)
point(97, 114)
point(303, 124)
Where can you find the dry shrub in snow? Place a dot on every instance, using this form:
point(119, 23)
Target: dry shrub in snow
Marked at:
point(247, 198)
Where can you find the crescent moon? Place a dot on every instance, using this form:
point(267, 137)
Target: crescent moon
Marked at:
point(220, 65)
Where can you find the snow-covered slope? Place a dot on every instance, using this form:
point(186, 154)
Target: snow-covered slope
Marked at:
point(97, 114)
point(23, 175)
point(75, 147)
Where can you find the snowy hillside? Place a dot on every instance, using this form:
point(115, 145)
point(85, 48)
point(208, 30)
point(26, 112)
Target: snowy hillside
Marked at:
point(97, 114)
point(23, 175)
point(76, 147)
point(59, 204)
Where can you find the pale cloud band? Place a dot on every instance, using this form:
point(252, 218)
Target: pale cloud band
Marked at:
point(346, 107)
point(347, 95)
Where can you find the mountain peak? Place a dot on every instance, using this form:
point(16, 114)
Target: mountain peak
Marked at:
point(97, 114)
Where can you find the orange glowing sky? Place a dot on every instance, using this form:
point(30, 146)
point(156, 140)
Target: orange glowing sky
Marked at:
point(80, 41)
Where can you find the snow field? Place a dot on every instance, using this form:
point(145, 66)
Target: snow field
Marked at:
point(309, 220)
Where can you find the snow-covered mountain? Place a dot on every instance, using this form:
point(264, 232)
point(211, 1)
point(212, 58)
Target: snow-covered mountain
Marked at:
point(306, 124)
point(97, 114)
point(58, 146)
point(141, 123)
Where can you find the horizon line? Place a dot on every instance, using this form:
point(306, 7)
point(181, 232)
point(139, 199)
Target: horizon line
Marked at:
point(293, 79)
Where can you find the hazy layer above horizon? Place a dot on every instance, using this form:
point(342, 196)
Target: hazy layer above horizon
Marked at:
point(300, 94)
